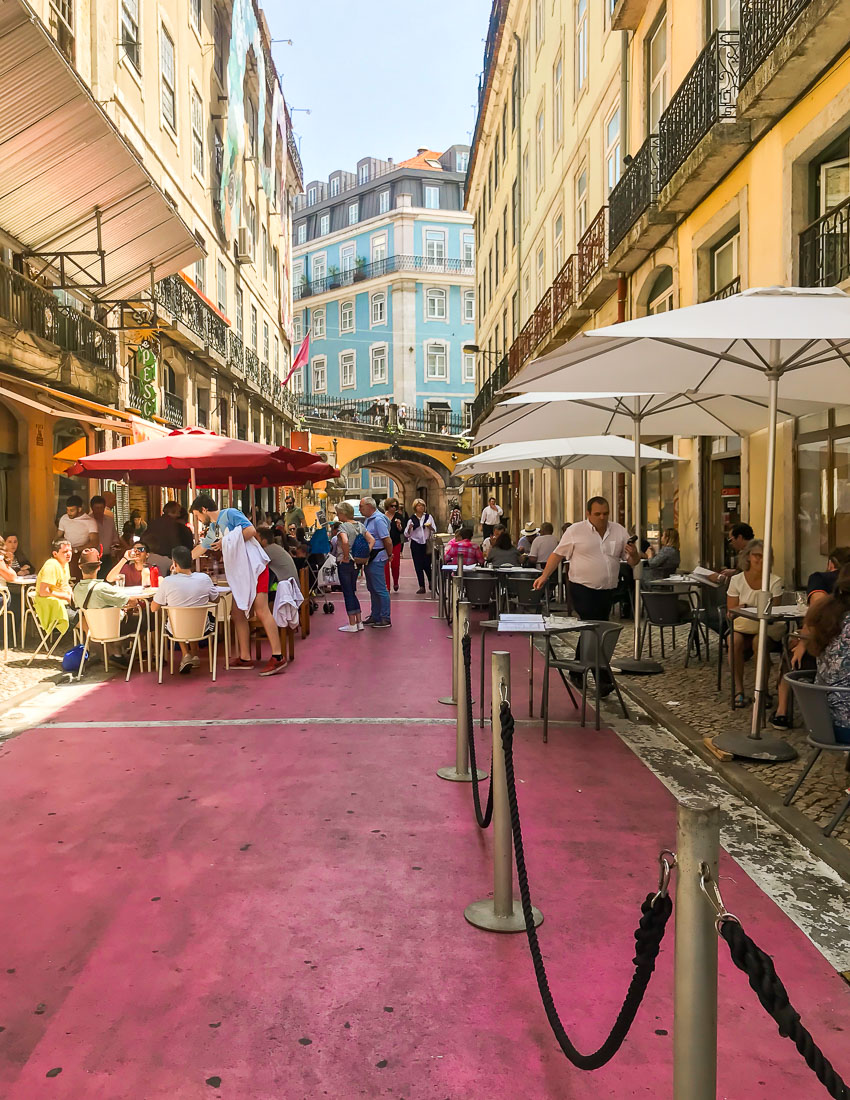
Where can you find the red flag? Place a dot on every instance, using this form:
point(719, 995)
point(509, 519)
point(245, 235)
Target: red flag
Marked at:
point(301, 358)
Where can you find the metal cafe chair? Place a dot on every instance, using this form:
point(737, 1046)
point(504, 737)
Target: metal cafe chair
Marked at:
point(481, 590)
point(8, 619)
point(597, 643)
point(813, 701)
point(521, 595)
point(43, 637)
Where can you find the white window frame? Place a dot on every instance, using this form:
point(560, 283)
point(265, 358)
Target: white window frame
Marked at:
point(436, 347)
point(239, 309)
point(468, 251)
point(255, 335)
point(130, 34)
point(319, 260)
point(324, 225)
point(319, 363)
point(301, 234)
point(540, 147)
point(353, 213)
point(348, 359)
point(379, 352)
point(539, 23)
point(167, 84)
point(312, 194)
point(581, 44)
point(436, 241)
point(461, 162)
point(298, 328)
point(346, 308)
point(378, 247)
point(266, 342)
point(383, 202)
point(334, 186)
point(363, 174)
point(658, 81)
point(221, 287)
point(347, 258)
point(377, 308)
point(199, 274)
point(276, 361)
point(379, 482)
point(557, 243)
point(318, 324)
point(613, 167)
point(581, 202)
point(297, 381)
point(730, 246)
point(469, 306)
point(540, 268)
point(435, 295)
point(558, 102)
point(354, 482)
point(432, 196)
point(468, 369)
point(195, 12)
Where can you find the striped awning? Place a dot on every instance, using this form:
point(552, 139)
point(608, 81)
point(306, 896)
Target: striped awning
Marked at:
point(64, 161)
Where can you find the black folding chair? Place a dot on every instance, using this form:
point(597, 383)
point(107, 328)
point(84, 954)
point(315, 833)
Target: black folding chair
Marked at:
point(481, 591)
point(597, 648)
point(662, 609)
point(521, 595)
point(813, 701)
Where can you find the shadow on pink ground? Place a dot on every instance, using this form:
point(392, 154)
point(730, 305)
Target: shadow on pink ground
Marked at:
point(281, 907)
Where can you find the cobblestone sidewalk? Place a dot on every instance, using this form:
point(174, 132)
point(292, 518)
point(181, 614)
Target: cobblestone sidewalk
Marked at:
point(691, 695)
point(16, 675)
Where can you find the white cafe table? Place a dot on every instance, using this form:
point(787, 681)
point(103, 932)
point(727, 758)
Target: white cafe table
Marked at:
point(148, 595)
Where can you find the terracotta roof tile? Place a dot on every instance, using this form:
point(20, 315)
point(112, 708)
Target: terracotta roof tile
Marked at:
point(420, 161)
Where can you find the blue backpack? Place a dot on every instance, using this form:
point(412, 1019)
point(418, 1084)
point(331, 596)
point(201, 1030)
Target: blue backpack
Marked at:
point(360, 549)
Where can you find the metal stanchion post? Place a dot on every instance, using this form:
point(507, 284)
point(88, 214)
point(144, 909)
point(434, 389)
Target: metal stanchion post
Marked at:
point(501, 913)
point(451, 701)
point(459, 771)
point(695, 982)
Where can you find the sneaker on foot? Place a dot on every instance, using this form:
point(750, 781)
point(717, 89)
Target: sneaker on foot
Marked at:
point(196, 662)
point(420, 591)
point(395, 588)
point(274, 665)
point(781, 722)
point(186, 665)
point(360, 626)
point(348, 628)
point(237, 662)
point(380, 626)
point(368, 620)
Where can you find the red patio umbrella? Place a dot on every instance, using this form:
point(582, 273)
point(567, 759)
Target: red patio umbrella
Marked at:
point(187, 449)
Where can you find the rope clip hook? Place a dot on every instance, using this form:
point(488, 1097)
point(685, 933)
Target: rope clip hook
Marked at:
point(503, 691)
point(712, 892)
point(667, 861)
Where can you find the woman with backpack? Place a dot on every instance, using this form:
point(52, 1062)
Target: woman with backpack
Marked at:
point(353, 546)
point(420, 528)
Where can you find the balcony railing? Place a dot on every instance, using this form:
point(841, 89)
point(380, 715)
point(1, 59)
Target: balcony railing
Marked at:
point(383, 267)
point(727, 291)
point(486, 396)
point(825, 248)
point(252, 366)
point(707, 95)
point(32, 308)
point(172, 409)
point(636, 191)
point(592, 250)
point(265, 379)
point(374, 414)
point(188, 307)
point(763, 25)
point(235, 352)
point(135, 394)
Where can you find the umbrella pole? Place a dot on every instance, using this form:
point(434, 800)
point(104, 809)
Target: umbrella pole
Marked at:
point(230, 491)
point(635, 665)
point(252, 503)
point(194, 515)
point(753, 746)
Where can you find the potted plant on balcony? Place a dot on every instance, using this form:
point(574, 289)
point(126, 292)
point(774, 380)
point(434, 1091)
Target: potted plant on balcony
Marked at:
point(333, 278)
point(305, 287)
point(360, 269)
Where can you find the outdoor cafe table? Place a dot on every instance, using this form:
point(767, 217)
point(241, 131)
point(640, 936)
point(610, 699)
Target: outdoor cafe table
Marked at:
point(786, 613)
point(562, 626)
point(23, 583)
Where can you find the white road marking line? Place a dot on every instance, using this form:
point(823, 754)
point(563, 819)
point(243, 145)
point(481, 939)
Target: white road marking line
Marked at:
point(402, 720)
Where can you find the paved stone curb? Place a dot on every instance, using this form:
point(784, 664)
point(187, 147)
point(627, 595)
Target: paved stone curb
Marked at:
point(831, 851)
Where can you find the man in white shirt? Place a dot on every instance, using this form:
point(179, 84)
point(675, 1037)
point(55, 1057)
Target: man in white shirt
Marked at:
point(544, 544)
point(79, 529)
point(594, 548)
point(186, 588)
point(490, 517)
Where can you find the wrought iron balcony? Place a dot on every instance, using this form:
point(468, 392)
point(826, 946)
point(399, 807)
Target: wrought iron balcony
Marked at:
point(374, 413)
point(763, 24)
point(235, 352)
point(727, 291)
point(265, 378)
point(486, 396)
point(32, 308)
point(252, 366)
point(135, 395)
point(375, 270)
point(825, 248)
point(707, 95)
point(173, 409)
point(592, 250)
point(635, 193)
point(188, 307)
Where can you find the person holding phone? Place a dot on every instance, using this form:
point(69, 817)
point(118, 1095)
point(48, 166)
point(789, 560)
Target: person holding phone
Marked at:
point(133, 567)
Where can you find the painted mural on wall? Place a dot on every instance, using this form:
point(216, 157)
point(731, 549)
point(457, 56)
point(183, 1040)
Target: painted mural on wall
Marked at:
point(244, 36)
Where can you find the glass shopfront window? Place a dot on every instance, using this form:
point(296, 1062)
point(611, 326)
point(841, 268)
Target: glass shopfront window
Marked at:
point(660, 504)
point(823, 489)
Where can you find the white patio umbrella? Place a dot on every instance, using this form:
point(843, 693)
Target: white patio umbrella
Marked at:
point(744, 345)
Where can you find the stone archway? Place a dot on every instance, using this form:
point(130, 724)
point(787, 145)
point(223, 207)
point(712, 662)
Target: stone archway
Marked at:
point(418, 475)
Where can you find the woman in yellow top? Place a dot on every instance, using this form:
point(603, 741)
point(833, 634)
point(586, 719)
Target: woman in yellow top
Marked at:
point(53, 590)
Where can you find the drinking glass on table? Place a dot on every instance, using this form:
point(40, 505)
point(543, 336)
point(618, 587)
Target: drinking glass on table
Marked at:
point(802, 601)
point(120, 580)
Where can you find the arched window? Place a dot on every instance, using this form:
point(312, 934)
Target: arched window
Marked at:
point(379, 308)
point(346, 317)
point(435, 304)
point(661, 295)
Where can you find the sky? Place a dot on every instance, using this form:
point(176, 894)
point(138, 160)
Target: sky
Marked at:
point(380, 78)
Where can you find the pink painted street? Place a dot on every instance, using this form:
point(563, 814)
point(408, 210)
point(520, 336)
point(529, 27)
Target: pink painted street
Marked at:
point(255, 889)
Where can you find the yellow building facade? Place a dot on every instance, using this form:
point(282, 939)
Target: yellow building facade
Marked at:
point(733, 123)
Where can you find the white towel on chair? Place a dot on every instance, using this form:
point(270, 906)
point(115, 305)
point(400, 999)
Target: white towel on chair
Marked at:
point(243, 564)
point(286, 603)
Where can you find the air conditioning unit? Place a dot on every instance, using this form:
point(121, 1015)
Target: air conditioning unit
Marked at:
point(244, 246)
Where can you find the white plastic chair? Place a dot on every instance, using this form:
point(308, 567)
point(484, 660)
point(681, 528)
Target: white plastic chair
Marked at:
point(222, 618)
point(8, 617)
point(103, 624)
point(44, 639)
point(187, 624)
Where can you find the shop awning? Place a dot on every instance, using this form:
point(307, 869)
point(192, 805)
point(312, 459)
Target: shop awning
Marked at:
point(64, 160)
point(33, 395)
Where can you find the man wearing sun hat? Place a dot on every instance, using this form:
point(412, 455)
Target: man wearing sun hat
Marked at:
point(94, 593)
point(527, 537)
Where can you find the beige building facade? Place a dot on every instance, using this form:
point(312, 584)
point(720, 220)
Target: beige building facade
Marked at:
point(727, 169)
point(178, 166)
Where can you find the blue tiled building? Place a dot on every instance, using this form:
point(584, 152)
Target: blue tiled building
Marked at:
point(383, 277)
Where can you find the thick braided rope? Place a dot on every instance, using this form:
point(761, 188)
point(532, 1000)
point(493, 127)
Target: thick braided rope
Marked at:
point(655, 912)
point(760, 971)
point(485, 818)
